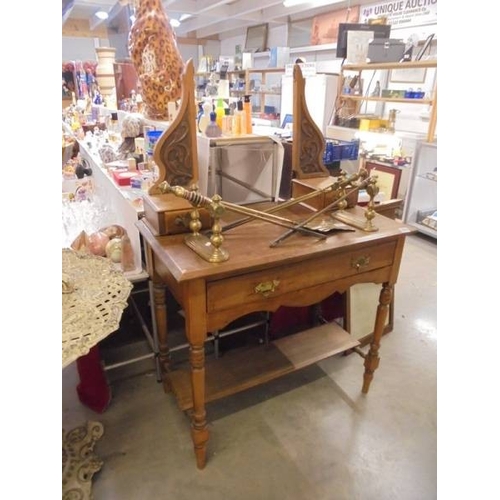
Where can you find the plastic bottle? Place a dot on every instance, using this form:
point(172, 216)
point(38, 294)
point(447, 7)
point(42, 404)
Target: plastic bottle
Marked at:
point(247, 107)
point(223, 87)
point(213, 129)
point(205, 117)
point(198, 116)
point(227, 122)
point(219, 111)
point(238, 119)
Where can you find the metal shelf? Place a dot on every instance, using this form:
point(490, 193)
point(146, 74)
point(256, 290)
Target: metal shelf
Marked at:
point(424, 229)
point(387, 99)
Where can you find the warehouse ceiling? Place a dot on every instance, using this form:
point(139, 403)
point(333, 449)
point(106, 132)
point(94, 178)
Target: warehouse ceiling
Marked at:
point(215, 19)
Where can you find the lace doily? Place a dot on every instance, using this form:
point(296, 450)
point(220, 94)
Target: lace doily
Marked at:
point(94, 295)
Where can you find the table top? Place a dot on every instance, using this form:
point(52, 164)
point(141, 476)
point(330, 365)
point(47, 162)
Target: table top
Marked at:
point(94, 296)
point(248, 245)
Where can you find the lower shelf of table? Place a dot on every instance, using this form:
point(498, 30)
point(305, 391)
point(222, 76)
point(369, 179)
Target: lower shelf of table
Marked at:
point(247, 367)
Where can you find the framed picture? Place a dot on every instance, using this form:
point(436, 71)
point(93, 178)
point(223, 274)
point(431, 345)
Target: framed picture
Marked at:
point(256, 40)
point(408, 75)
point(388, 179)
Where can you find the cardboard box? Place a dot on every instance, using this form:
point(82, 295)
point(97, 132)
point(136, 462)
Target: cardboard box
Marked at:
point(122, 177)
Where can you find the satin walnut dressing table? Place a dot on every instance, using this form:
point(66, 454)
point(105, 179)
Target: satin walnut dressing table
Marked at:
point(299, 272)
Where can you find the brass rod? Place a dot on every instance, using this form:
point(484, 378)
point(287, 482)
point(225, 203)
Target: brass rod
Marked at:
point(265, 217)
point(362, 185)
point(252, 212)
point(281, 206)
point(300, 199)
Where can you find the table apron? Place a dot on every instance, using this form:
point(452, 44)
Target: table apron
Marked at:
point(299, 298)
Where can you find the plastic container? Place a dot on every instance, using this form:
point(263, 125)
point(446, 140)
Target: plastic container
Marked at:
point(213, 129)
point(336, 150)
point(247, 109)
point(152, 136)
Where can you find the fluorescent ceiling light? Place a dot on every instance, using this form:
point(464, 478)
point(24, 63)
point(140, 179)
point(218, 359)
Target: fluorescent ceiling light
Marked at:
point(132, 18)
point(313, 3)
point(102, 15)
point(175, 23)
point(292, 3)
point(184, 17)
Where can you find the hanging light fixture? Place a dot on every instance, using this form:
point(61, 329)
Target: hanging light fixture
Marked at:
point(101, 15)
point(313, 3)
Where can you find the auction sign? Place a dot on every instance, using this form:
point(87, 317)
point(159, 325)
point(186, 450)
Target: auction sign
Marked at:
point(401, 13)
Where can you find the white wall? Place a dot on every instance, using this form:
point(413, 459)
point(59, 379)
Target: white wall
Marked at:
point(83, 49)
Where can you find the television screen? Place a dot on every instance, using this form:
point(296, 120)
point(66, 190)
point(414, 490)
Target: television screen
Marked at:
point(379, 30)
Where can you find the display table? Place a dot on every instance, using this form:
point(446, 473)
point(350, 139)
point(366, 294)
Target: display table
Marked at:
point(301, 271)
point(93, 299)
point(94, 295)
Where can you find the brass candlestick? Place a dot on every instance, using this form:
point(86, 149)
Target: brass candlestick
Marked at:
point(368, 183)
point(372, 189)
point(209, 249)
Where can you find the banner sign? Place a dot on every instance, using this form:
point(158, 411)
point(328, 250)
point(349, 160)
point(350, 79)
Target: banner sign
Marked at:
point(401, 13)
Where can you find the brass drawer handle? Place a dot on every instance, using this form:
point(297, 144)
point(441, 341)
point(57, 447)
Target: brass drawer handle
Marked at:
point(360, 262)
point(267, 287)
point(182, 220)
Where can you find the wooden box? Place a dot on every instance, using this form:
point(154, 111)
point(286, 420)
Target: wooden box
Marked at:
point(169, 214)
point(300, 187)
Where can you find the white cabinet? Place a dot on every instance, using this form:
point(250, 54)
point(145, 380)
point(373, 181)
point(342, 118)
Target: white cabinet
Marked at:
point(421, 204)
point(320, 93)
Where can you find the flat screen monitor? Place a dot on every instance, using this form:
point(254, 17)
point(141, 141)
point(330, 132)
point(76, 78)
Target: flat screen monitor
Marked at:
point(379, 31)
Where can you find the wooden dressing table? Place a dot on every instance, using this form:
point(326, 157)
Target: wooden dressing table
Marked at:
point(300, 271)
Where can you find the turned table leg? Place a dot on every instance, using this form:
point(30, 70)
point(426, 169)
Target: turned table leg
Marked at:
point(160, 311)
point(372, 359)
point(199, 430)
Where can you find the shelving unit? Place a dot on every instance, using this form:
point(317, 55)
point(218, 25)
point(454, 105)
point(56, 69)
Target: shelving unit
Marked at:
point(246, 76)
point(422, 191)
point(352, 102)
point(261, 94)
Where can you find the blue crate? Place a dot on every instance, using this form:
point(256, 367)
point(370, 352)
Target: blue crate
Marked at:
point(350, 150)
point(336, 150)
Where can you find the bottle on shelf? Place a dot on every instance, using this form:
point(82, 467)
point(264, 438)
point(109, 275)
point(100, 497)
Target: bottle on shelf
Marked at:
point(238, 122)
point(199, 115)
point(219, 111)
point(204, 119)
point(223, 87)
point(247, 107)
point(227, 122)
point(213, 129)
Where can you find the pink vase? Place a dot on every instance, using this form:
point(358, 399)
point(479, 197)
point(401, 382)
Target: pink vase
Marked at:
point(156, 57)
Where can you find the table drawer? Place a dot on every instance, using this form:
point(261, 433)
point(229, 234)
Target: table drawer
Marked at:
point(259, 286)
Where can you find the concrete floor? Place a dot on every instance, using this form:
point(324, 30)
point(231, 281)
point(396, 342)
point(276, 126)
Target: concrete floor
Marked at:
point(308, 435)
